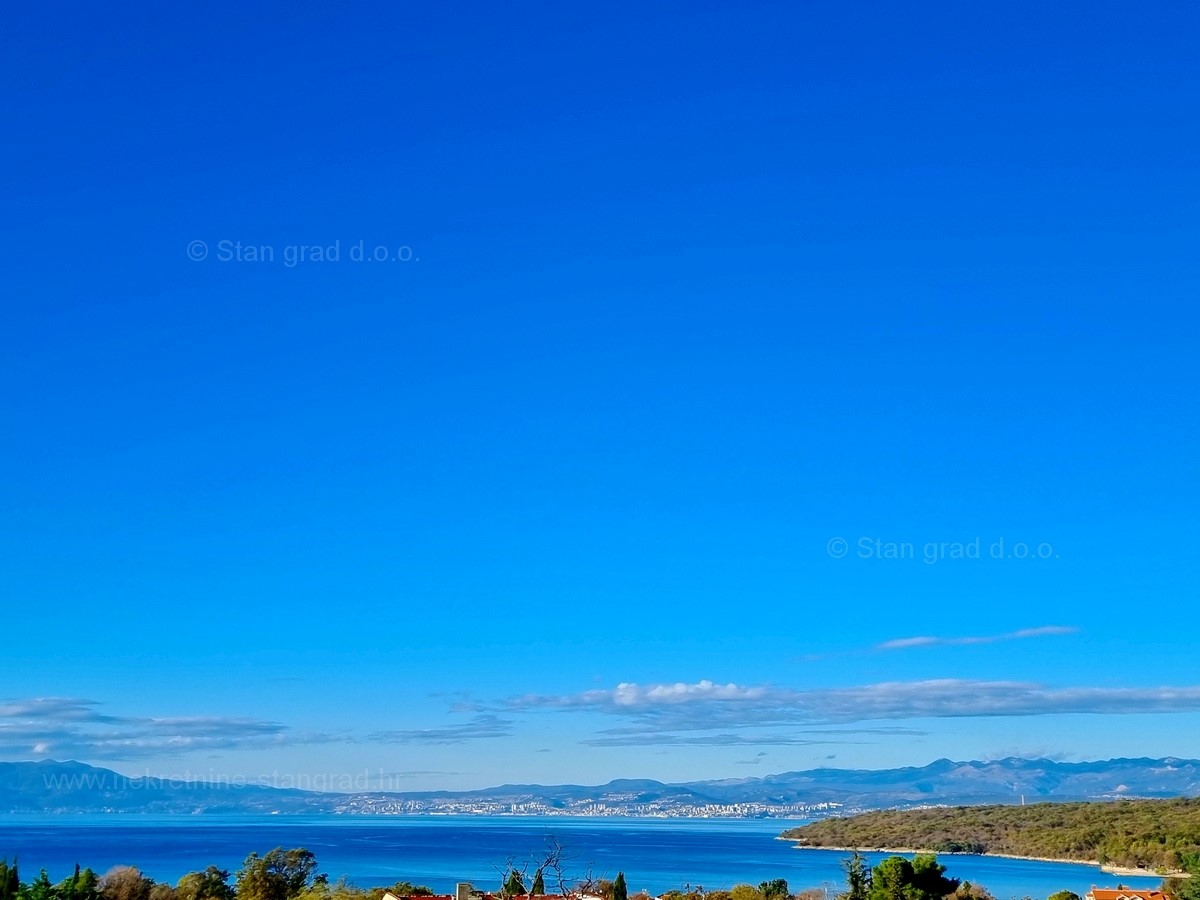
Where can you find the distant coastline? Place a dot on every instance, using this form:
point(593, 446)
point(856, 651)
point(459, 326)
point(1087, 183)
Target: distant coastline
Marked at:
point(815, 794)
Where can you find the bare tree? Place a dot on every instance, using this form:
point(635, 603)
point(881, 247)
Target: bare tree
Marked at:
point(554, 865)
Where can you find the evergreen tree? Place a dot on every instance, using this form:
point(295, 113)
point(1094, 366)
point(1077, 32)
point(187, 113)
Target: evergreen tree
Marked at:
point(514, 885)
point(39, 889)
point(10, 881)
point(66, 887)
point(619, 890)
point(539, 884)
point(858, 878)
point(929, 877)
point(922, 879)
point(892, 880)
point(87, 885)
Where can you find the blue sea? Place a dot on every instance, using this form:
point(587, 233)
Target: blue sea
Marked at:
point(655, 854)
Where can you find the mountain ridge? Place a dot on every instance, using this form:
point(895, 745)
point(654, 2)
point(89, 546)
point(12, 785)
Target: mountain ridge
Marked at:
point(73, 786)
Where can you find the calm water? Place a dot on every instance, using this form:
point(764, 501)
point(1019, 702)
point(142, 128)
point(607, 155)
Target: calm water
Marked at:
point(656, 854)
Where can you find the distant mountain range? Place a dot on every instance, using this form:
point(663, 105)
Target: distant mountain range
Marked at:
point(49, 786)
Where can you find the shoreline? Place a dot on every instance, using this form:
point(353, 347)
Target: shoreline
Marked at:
point(1107, 869)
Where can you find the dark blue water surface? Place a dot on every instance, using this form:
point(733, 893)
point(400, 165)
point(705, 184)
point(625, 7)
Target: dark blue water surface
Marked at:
point(655, 854)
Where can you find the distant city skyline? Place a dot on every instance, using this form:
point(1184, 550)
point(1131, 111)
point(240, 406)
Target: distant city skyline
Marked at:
point(555, 394)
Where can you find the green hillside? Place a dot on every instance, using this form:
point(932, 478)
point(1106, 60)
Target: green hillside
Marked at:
point(1160, 835)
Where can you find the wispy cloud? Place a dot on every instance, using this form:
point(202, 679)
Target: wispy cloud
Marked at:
point(667, 713)
point(75, 727)
point(756, 760)
point(639, 735)
point(481, 727)
point(909, 643)
point(645, 738)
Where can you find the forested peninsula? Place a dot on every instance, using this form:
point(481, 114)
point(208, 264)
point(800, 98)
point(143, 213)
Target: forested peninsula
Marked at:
point(1160, 836)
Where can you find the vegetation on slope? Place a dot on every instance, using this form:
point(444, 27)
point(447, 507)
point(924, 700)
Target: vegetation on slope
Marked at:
point(1159, 835)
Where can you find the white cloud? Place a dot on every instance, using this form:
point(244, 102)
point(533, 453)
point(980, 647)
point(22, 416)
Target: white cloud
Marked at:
point(929, 641)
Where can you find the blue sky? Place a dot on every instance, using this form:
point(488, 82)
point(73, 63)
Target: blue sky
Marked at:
point(687, 321)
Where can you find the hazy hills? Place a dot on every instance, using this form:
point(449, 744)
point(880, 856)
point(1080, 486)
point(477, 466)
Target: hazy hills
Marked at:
point(77, 787)
point(50, 786)
point(997, 781)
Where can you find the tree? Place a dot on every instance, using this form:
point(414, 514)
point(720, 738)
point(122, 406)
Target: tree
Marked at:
point(280, 875)
point(892, 880)
point(85, 885)
point(929, 877)
point(1064, 895)
point(65, 889)
point(551, 864)
point(211, 884)
point(858, 878)
point(922, 879)
point(776, 889)
point(619, 890)
point(514, 884)
point(10, 882)
point(744, 892)
point(125, 883)
point(38, 889)
point(1184, 888)
point(82, 884)
point(162, 892)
